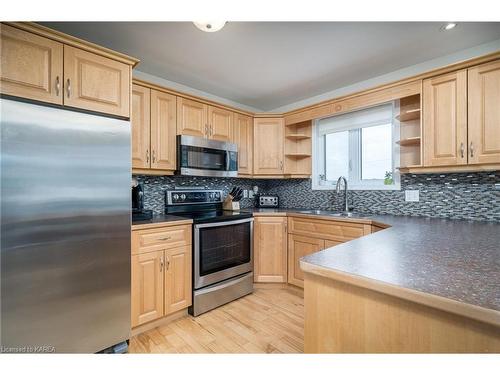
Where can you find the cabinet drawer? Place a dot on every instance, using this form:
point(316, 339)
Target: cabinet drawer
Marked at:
point(147, 240)
point(327, 229)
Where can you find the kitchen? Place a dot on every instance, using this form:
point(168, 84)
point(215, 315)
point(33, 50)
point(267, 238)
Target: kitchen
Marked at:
point(144, 213)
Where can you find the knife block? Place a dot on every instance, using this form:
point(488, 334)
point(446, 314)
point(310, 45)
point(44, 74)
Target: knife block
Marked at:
point(230, 205)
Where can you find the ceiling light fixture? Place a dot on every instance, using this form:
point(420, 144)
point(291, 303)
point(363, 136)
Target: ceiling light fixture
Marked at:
point(209, 26)
point(448, 26)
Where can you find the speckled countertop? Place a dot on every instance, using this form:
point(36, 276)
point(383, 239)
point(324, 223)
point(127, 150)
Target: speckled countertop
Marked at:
point(454, 260)
point(160, 220)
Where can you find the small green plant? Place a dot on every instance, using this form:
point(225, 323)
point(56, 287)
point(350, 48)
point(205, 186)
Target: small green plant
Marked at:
point(388, 178)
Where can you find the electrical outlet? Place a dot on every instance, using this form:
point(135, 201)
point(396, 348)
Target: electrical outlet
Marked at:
point(250, 194)
point(412, 196)
point(245, 193)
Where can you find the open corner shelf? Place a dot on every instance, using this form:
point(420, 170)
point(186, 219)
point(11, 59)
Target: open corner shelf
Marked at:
point(412, 141)
point(412, 114)
point(298, 155)
point(298, 137)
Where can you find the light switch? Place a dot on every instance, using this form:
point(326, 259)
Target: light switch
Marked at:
point(412, 196)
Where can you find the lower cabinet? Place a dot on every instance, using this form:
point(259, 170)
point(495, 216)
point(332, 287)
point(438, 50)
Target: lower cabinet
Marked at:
point(270, 249)
point(298, 247)
point(160, 278)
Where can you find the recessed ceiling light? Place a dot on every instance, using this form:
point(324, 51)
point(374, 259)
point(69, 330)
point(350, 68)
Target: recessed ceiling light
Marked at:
point(448, 26)
point(210, 26)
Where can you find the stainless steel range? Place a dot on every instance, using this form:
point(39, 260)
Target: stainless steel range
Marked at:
point(223, 248)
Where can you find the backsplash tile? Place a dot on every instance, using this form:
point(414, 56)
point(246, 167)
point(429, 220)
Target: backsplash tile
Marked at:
point(155, 186)
point(456, 196)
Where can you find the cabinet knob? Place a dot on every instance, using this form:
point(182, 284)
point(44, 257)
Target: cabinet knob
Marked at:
point(147, 156)
point(281, 164)
point(471, 148)
point(168, 264)
point(161, 264)
point(462, 150)
point(154, 156)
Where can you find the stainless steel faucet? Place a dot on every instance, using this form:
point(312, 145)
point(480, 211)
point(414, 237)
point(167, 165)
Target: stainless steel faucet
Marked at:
point(346, 204)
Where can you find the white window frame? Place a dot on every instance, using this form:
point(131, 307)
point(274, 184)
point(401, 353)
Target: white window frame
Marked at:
point(354, 178)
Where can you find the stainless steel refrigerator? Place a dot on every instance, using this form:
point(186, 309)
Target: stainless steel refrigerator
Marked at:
point(65, 229)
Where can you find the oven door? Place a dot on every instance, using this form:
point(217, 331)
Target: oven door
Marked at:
point(222, 250)
point(205, 157)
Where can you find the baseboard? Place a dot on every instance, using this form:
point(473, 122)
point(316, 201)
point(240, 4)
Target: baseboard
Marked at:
point(158, 322)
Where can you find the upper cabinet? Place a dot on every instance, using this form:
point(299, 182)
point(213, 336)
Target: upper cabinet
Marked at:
point(445, 119)
point(56, 69)
point(220, 124)
point(96, 83)
point(31, 66)
point(268, 155)
point(461, 117)
point(243, 137)
point(192, 118)
point(163, 130)
point(154, 116)
point(484, 113)
point(202, 120)
point(141, 126)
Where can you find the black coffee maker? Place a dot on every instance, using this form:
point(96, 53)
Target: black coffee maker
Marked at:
point(138, 211)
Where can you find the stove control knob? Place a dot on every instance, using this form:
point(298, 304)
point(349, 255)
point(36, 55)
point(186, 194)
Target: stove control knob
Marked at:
point(183, 196)
point(211, 195)
point(176, 197)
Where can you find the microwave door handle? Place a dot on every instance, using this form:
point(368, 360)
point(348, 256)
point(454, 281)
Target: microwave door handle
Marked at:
point(227, 160)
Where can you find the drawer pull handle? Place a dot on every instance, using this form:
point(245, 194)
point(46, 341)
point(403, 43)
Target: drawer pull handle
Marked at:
point(165, 238)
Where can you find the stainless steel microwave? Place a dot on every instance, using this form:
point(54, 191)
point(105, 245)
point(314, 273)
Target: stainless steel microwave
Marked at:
point(198, 156)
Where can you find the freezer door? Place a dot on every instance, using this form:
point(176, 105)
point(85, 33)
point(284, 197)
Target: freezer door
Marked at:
point(65, 229)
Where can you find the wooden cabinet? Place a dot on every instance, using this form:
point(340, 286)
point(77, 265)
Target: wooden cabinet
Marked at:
point(177, 284)
point(268, 146)
point(153, 121)
point(220, 124)
point(161, 272)
point(45, 69)
point(330, 243)
point(445, 119)
point(270, 249)
point(192, 118)
point(202, 120)
point(298, 247)
point(243, 137)
point(96, 83)
point(163, 130)
point(484, 113)
point(147, 287)
point(141, 126)
point(31, 66)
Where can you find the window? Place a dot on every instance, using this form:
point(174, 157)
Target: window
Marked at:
point(360, 146)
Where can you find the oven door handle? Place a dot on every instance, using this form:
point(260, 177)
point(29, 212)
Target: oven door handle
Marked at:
point(224, 223)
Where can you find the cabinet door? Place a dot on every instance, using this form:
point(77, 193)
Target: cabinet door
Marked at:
point(484, 113)
point(177, 279)
point(330, 243)
point(299, 246)
point(268, 146)
point(163, 133)
point(147, 287)
point(445, 119)
point(31, 66)
point(140, 120)
point(96, 83)
point(243, 137)
point(270, 250)
point(220, 124)
point(192, 118)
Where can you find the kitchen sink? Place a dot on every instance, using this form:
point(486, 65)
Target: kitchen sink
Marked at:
point(330, 213)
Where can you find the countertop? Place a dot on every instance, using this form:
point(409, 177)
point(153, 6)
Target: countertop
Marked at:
point(453, 265)
point(160, 221)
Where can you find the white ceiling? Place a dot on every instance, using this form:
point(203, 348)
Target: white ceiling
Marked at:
point(266, 65)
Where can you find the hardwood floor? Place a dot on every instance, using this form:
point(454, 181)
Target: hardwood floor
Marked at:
point(271, 320)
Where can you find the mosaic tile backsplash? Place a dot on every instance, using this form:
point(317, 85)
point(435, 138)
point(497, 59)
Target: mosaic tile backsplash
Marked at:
point(456, 196)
